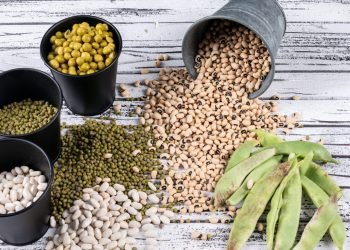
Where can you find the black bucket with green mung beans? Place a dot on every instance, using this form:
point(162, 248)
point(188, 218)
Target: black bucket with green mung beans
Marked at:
point(30, 107)
point(82, 53)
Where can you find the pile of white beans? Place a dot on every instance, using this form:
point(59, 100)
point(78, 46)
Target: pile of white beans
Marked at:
point(108, 217)
point(19, 188)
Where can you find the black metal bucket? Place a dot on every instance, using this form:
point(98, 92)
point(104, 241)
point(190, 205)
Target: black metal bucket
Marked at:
point(90, 94)
point(30, 224)
point(265, 17)
point(19, 84)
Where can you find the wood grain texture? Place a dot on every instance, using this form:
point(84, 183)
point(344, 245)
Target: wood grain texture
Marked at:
point(178, 236)
point(313, 63)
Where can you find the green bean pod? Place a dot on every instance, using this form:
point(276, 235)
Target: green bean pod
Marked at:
point(301, 148)
point(305, 163)
point(315, 173)
point(265, 168)
point(267, 139)
point(241, 153)
point(288, 221)
point(318, 225)
point(254, 205)
point(319, 197)
point(233, 179)
point(276, 204)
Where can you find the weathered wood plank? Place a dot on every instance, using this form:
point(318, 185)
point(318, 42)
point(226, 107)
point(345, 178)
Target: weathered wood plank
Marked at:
point(333, 112)
point(330, 135)
point(151, 11)
point(313, 63)
point(131, 62)
point(321, 86)
point(293, 76)
point(290, 59)
point(220, 235)
point(307, 211)
point(178, 236)
point(298, 34)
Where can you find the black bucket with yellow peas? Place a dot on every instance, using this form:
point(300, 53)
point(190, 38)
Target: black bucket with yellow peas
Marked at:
point(82, 53)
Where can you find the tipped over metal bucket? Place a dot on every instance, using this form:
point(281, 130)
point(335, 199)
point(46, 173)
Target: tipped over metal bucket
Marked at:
point(264, 17)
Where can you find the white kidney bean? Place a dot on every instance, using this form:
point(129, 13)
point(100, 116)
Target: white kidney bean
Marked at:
point(19, 188)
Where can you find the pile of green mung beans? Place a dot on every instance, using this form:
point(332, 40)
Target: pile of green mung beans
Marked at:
point(102, 149)
point(279, 171)
point(25, 116)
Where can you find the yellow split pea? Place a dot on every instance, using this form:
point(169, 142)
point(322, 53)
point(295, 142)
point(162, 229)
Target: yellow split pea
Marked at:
point(82, 50)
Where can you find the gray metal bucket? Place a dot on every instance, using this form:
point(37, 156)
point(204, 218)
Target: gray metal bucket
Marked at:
point(265, 17)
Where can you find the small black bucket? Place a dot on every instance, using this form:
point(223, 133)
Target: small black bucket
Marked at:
point(19, 84)
point(90, 94)
point(30, 224)
point(264, 17)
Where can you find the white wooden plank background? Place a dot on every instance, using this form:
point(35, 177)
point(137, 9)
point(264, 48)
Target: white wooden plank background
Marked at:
point(313, 62)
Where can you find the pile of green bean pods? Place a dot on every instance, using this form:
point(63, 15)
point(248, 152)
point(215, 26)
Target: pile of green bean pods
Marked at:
point(279, 172)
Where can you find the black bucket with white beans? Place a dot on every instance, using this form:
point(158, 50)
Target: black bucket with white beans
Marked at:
point(28, 223)
point(265, 18)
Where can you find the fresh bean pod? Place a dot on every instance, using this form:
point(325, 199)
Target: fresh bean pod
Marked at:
point(267, 139)
point(288, 221)
point(305, 163)
point(315, 173)
point(318, 225)
point(254, 205)
point(233, 179)
point(240, 154)
point(276, 204)
point(319, 197)
point(265, 168)
point(302, 148)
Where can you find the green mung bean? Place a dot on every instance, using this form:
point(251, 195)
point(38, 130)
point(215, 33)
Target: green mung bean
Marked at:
point(25, 116)
point(101, 149)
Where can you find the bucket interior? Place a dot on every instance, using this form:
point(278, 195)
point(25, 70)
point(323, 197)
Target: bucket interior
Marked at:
point(17, 85)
